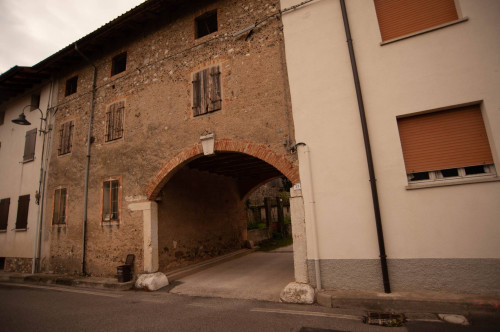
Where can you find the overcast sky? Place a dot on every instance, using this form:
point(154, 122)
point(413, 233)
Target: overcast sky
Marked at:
point(32, 30)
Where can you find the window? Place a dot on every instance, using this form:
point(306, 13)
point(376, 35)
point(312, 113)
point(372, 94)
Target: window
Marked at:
point(398, 18)
point(446, 145)
point(4, 213)
point(65, 138)
point(71, 85)
point(114, 121)
point(119, 63)
point(22, 212)
point(2, 117)
point(110, 200)
point(59, 215)
point(35, 101)
point(206, 91)
point(29, 146)
point(206, 24)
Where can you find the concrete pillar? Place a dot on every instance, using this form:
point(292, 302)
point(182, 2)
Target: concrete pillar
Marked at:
point(150, 230)
point(299, 236)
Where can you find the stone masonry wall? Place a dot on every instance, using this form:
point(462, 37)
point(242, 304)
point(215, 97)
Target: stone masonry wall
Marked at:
point(156, 89)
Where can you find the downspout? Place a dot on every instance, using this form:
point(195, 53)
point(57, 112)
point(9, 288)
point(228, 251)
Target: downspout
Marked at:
point(87, 166)
point(304, 149)
point(371, 170)
point(41, 191)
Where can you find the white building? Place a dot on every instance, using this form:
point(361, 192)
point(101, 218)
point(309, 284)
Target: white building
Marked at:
point(429, 75)
point(22, 91)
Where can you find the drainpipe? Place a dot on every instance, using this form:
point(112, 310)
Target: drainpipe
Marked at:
point(303, 149)
point(371, 170)
point(87, 166)
point(41, 191)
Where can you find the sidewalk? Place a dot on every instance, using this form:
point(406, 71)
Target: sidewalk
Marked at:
point(409, 301)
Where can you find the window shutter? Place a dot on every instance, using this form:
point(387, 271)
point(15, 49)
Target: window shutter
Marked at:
point(205, 92)
point(445, 139)
point(215, 93)
point(29, 145)
point(69, 141)
point(196, 94)
point(57, 202)
point(4, 213)
point(397, 18)
point(118, 126)
point(22, 212)
point(109, 122)
point(60, 150)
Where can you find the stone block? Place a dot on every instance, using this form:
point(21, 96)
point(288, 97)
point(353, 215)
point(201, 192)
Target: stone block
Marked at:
point(296, 292)
point(151, 281)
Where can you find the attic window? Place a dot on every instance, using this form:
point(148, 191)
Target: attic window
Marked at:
point(206, 24)
point(119, 63)
point(71, 85)
point(35, 101)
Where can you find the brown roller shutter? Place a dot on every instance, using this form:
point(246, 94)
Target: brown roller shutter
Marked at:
point(446, 139)
point(397, 18)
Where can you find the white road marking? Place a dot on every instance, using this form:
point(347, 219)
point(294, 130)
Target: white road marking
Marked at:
point(307, 313)
point(69, 290)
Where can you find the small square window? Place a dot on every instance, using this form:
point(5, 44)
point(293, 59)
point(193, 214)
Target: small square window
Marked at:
point(71, 85)
point(35, 101)
point(119, 63)
point(206, 24)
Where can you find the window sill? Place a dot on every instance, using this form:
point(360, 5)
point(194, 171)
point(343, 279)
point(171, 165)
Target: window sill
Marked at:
point(3, 231)
point(110, 223)
point(421, 32)
point(446, 183)
point(20, 230)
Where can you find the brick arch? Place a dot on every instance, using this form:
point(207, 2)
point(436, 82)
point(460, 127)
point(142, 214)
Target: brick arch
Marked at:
point(262, 152)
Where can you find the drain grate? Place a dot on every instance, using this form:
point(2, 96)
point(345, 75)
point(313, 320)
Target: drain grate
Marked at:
point(384, 319)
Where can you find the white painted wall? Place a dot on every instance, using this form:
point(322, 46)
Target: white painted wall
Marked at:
point(18, 178)
point(451, 66)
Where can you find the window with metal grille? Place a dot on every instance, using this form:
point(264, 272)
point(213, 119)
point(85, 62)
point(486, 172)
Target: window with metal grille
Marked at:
point(59, 215)
point(119, 63)
point(65, 138)
point(206, 91)
point(4, 213)
point(22, 212)
point(114, 121)
point(71, 85)
point(206, 24)
point(29, 146)
point(446, 145)
point(398, 18)
point(110, 200)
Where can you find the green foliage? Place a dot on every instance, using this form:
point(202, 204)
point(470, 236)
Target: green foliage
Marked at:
point(277, 241)
point(256, 225)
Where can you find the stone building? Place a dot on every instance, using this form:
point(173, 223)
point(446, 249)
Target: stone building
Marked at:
point(144, 91)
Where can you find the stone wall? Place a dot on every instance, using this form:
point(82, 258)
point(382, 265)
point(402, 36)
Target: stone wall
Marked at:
point(156, 89)
point(18, 264)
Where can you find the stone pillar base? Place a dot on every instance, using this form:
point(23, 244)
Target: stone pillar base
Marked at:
point(296, 292)
point(151, 281)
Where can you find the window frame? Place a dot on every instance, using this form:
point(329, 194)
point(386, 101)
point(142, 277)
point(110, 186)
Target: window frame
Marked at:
point(117, 66)
point(65, 138)
point(104, 201)
point(4, 213)
point(112, 134)
point(71, 86)
point(204, 18)
point(22, 216)
point(60, 207)
point(30, 146)
point(206, 90)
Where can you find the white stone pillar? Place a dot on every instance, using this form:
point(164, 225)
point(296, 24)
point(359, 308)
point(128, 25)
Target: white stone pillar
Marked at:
point(299, 236)
point(150, 230)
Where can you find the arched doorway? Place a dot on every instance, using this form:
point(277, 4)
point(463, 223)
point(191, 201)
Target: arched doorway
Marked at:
point(201, 199)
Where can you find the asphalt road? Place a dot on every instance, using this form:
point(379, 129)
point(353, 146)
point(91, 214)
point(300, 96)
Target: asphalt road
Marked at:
point(47, 308)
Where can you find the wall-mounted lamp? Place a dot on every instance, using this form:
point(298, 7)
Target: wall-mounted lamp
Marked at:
point(21, 119)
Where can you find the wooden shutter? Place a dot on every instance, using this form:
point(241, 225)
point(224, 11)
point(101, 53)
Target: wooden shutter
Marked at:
point(22, 212)
point(59, 215)
point(118, 120)
point(215, 93)
point(4, 213)
point(205, 99)
point(65, 137)
point(397, 18)
point(110, 122)
point(29, 145)
point(196, 94)
point(446, 139)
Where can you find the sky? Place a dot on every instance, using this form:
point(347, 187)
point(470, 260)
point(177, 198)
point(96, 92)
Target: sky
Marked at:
point(33, 30)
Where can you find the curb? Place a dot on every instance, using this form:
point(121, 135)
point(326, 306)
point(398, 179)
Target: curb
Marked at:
point(409, 302)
